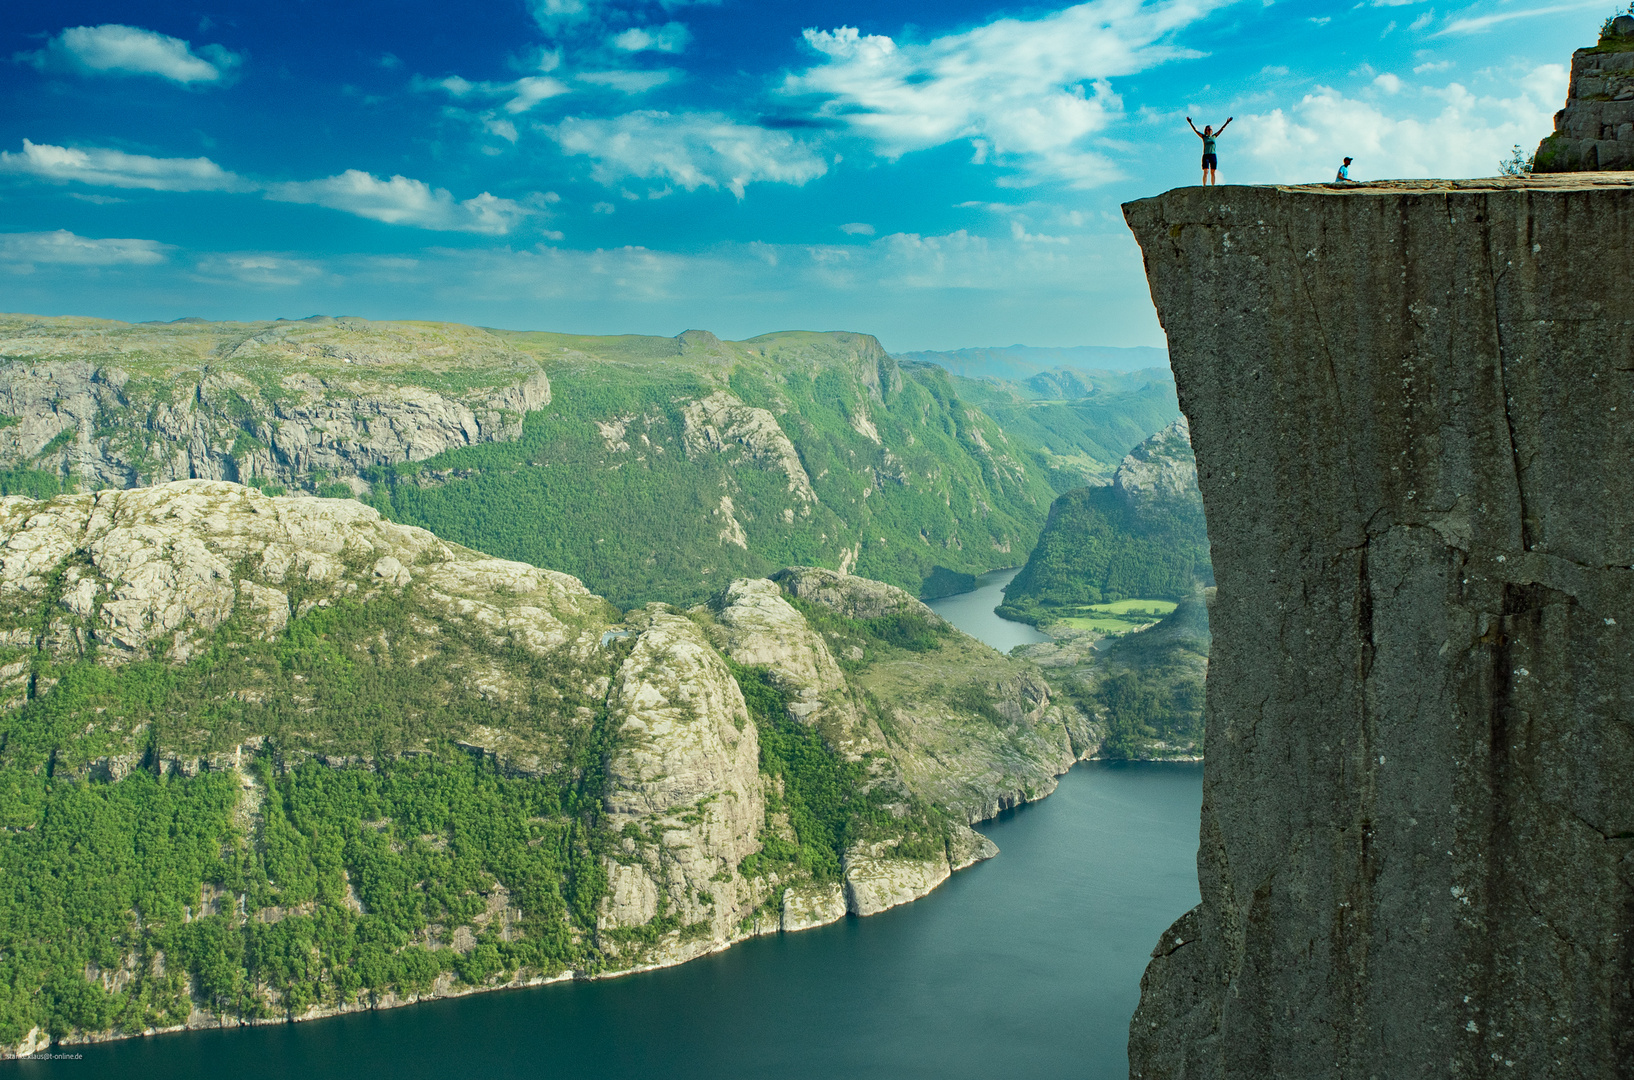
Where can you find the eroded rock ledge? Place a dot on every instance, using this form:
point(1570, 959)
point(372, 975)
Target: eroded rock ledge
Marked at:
point(1413, 412)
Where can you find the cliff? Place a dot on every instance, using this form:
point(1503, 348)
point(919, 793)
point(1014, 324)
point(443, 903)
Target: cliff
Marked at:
point(236, 729)
point(1411, 410)
point(1596, 128)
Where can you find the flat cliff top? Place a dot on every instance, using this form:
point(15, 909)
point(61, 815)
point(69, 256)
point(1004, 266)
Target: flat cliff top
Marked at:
point(1541, 182)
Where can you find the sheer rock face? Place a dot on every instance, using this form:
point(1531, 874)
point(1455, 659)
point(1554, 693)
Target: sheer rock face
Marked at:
point(1412, 407)
point(757, 626)
point(687, 776)
point(721, 424)
point(1596, 128)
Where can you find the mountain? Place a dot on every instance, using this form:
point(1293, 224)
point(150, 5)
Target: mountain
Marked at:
point(654, 469)
point(279, 757)
point(1081, 423)
point(1021, 362)
point(1141, 537)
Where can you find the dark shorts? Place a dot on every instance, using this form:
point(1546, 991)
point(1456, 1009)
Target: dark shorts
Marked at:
point(1211, 161)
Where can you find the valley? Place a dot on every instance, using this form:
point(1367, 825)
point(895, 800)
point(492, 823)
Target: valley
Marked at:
point(352, 664)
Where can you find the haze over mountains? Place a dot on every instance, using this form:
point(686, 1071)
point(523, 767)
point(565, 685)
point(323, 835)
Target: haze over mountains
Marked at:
point(1021, 362)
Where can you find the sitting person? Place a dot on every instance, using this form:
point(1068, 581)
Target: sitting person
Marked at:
point(1344, 173)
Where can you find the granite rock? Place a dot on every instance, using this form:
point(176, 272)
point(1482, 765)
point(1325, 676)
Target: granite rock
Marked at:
point(1596, 128)
point(1412, 407)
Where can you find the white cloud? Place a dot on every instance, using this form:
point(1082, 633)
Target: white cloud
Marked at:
point(1423, 20)
point(670, 38)
point(1475, 24)
point(628, 82)
point(1432, 65)
point(259, 268)
point(1028, 92)
point(690, 149)
point(115, 49)
point(1390, 84)
point(1426, 131)
point(857, 228)
point(523, 94)
point(530, 91)
point(398, 201)
point(404, 201)
point(1019, 233)
point(115, 168)
point(64, 248)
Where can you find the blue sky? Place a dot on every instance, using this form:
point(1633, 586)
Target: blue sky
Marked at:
point(942, 175)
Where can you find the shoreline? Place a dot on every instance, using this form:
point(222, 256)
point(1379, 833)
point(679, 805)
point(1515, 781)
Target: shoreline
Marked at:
point(41, 1047)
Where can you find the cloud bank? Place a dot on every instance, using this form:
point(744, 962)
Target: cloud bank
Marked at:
point(116, 49)
point(691, 150)
point(22, 251)
point(399, 200)
point(1026, 92)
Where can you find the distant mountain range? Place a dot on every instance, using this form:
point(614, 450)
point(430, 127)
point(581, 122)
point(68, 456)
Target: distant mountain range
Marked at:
point(1021, 362)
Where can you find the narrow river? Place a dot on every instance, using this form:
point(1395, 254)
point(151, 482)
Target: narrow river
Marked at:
point(973, 613)
point(1026, 966)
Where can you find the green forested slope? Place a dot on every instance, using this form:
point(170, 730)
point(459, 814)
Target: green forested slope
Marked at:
point(277, 757)
point(1142, 536)
point(650, 467)
point(1079, 424)
point(904, 475)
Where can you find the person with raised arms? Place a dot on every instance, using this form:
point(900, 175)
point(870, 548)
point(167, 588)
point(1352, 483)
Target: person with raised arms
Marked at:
point(1211, 161)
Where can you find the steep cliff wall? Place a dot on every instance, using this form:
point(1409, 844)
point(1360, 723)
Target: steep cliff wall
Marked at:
point(1411, 409)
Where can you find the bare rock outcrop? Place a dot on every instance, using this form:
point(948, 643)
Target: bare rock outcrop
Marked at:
point(853, 597)
point(1160, 471)
point(757, 626)
point(1412, 407)
point(684, 792)
point(1596, 128)
point(721, 424)
point(116, 405)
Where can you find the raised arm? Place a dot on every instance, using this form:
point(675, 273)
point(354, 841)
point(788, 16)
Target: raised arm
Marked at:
point(1225, 125)
point(1194, 130)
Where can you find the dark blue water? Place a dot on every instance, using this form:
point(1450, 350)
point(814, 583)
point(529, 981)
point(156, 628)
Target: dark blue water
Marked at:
point(1025, 966)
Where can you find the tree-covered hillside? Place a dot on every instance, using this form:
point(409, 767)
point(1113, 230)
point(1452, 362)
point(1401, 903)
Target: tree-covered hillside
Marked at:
point(663, 465)
point(1080, 423)
point(1142, 536)
point(652, 468)
point(276, 757)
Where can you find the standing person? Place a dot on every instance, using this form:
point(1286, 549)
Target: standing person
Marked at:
point(1344, 173)
point(1211, 161)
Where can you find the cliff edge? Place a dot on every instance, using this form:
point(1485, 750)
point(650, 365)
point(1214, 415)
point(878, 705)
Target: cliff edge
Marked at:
point(1411, 408)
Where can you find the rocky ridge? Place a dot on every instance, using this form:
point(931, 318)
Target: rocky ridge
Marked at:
point(534, 664)
point(119, 406)
point(789, 447)
point(1160, 471)
point(1595, 130)
point(1417, 838)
